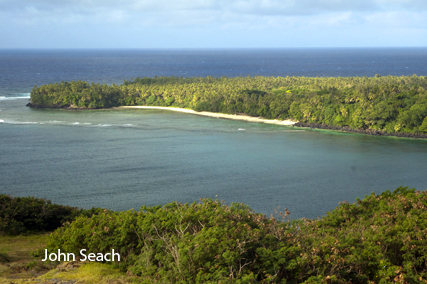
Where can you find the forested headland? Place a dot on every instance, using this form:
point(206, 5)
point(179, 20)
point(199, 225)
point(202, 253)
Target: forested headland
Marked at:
point(388, 105)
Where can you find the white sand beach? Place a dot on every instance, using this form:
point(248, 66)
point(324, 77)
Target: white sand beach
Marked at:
point(217, 115)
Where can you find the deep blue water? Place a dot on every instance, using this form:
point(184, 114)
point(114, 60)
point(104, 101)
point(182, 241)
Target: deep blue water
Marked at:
point(121, 159)
point(22, 69)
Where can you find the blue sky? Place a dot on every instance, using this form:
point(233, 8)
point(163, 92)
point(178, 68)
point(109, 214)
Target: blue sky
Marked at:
point(212, 23)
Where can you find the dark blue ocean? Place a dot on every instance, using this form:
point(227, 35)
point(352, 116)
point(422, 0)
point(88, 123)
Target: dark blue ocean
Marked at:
point(121, 159)
point(22, 69)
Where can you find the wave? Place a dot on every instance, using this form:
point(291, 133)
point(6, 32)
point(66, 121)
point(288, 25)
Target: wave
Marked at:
point(18, 122)
point(17, 96)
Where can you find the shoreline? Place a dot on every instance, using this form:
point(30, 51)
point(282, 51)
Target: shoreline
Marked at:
point(371, 132)
point(217, 115)
point(242, 117)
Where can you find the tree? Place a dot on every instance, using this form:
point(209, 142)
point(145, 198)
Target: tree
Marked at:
point(423, 127)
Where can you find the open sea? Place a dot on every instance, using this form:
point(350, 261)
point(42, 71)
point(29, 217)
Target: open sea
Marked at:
point(122, 159)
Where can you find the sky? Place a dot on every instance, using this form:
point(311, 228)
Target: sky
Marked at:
point(212, 23)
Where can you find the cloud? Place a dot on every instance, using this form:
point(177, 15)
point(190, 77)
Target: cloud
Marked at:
point(188, 12)
point(239, 21)
point(271, 7)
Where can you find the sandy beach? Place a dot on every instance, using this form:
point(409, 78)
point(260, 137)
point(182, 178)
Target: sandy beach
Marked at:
point(217, 115)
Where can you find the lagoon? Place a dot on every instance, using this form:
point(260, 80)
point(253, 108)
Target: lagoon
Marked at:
point(124, 158)
point(121, 159)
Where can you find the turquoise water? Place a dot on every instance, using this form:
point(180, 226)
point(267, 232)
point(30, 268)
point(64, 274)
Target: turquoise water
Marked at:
point(121, 159)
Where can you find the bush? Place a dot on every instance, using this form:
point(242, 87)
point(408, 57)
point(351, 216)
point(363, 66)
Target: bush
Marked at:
point(24, 214)
point(380, 239)
point(186, 243)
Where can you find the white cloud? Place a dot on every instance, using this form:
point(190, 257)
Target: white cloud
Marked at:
point(226, 19)
point(285, 7)
point(188, 12)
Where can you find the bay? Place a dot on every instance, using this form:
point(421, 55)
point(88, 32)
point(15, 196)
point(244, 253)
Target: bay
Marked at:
point(121, 159)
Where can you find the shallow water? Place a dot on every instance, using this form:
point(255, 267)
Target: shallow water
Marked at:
point(121, 159)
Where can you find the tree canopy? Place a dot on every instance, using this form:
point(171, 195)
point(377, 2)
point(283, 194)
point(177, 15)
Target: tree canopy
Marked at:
point(390, 103)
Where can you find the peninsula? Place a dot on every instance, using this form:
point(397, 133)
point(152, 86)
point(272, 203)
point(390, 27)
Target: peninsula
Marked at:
point(380, 105)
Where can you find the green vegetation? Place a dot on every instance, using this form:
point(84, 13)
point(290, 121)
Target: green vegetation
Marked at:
point(380, 239)
point(16, 256)
point(17, 265)
point(87, 273)
point(29, 214)
point(23, 222)
point(391, 104)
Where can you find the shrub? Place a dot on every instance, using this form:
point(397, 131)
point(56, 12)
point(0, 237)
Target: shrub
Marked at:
point(186, 243)
point(24, 214)
point(380, 239)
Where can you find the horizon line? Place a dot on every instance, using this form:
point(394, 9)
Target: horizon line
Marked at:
point(205, 48)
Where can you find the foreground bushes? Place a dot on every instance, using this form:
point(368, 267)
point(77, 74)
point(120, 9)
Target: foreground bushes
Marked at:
point(377, 239)
point(380, 239)
point(186, 243)
point(24, 214)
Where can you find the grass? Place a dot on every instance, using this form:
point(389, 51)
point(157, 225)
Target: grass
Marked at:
point(16, 260)
point(17, 265)
point(88, 272)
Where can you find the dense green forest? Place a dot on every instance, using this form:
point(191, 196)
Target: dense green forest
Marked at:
point(390, 104)
point(379, 239)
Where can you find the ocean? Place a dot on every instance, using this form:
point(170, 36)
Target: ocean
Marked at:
point(122, 159)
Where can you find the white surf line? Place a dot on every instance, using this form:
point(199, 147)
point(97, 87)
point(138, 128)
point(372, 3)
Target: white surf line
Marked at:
point(217, 115)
